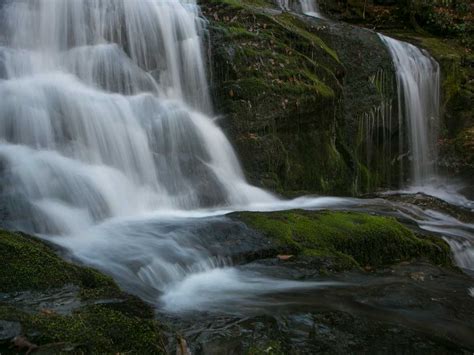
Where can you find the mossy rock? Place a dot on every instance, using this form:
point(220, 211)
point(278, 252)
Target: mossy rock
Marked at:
point(29, 264)
point(292, 90)
point(103, 319)
point(351, 239)
point(91, 329)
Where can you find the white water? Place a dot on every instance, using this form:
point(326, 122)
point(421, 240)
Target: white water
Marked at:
point(105, 113)
point(310, 8)
point(418, 85)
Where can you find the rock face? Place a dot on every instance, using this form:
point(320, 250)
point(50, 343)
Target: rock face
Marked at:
point(293, 91)
point(309, 103)
point(446, 31)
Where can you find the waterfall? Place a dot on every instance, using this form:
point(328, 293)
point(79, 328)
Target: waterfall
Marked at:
point(310, 8)
point(418, 85)
point(105, 113)
point(307, 7)
point(283, 4)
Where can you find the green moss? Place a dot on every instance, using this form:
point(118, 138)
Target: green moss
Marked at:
point(29, 264)
point(106, 320)
point(351, 239)
point(292, 23)
point(100, 329)
point(279, 79)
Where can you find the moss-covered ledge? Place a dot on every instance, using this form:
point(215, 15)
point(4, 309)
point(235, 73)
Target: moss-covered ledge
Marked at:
point(348, 239)
point(64, 307)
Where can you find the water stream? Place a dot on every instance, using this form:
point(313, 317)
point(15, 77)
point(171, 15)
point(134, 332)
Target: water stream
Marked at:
point(418, 86)
point(108, 148)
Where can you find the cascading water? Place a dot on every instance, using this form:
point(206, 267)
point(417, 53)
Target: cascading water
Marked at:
point(310, 8)
point(105, 121)
point(307, 7)
point(418, 84)
point(105, 113)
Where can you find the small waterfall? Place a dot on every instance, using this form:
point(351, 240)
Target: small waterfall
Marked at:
point(418, 83)
point(310, 8)
point(283, 4)
point(307, 7)
point(105, 112)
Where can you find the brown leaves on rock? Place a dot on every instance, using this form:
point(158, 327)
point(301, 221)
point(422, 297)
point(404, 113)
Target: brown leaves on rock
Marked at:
point(285, 257)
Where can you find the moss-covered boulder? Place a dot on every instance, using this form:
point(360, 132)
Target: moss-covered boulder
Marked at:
point(311, 105)
point(64, 307)
point(292, 90)
point(349, 239)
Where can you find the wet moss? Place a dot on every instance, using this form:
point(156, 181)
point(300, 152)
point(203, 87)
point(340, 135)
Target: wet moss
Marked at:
point(279, 85)
point(350, 239)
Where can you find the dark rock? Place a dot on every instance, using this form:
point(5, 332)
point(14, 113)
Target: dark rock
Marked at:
point(381, 312)
point(9, 330)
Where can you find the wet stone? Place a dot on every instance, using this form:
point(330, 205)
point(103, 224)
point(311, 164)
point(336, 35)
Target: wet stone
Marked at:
point(9, 330)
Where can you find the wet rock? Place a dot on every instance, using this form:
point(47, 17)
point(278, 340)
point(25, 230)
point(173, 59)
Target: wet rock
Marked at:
point(427, 202)
point(294, 97)
point(384, 311)
point(418, 276)
point(9, 330)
